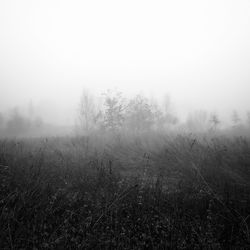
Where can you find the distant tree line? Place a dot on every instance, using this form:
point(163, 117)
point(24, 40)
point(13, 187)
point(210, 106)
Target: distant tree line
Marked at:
point(17, 124)
point(113, 112)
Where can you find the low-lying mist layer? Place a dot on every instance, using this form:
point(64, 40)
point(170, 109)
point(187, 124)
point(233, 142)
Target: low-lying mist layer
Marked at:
point(112, 112)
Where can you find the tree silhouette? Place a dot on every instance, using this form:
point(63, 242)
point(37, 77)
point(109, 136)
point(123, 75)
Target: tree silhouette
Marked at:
point(214, 119)
point(114, 110)
point(88, 113)
point(235, 118)
point(197, 121)
point(17, 124)
point(140, 116)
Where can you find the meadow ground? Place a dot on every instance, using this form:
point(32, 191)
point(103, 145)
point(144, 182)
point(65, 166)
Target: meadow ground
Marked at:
point(125, 192)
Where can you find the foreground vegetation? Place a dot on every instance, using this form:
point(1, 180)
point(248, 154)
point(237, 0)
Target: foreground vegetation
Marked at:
point(125, 192)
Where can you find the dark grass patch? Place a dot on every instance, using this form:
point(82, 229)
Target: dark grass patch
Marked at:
point(174, 194)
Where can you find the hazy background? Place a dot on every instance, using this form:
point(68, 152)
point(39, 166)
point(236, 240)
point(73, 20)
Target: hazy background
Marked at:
point(196, 51)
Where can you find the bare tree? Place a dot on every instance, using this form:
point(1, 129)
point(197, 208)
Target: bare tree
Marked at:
point(88, 112)
point(17, 124)
point(158, 115)
point(169, 118)
point(214, 119)
point(139, 116)
point(235, 118)
point(114, 105)
point(197, 121)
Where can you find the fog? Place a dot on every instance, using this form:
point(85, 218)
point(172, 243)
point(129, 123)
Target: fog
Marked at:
point(197, 52)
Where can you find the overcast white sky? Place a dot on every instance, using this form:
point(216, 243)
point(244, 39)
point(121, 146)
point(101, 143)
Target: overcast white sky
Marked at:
point(197, 51)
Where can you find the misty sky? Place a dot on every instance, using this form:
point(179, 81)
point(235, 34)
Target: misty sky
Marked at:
point(197, 51)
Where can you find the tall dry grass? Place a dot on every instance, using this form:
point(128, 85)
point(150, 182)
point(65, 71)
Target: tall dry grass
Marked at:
point(125, 192)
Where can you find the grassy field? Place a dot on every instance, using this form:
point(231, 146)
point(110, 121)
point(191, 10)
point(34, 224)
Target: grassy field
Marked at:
point(125, 192)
